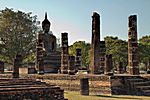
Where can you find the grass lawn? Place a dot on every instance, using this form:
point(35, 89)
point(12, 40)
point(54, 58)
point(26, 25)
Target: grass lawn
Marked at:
point(76, 96)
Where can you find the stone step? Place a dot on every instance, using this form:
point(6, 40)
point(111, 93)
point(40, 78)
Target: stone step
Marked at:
point(29, 88)
point(20, 83)
point(142, 83)
point(146, 92)
point(143, 87)
point(20, 86)
point(136, 80)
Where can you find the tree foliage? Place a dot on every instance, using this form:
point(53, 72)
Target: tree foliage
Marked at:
point(85, 47)
point(118, 48)
point(17, 34)
point(144, 49)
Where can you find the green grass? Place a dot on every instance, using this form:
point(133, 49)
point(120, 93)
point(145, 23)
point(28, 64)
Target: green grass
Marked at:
point(77, 96)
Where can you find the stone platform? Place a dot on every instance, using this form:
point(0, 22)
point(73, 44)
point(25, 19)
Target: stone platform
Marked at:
point(29, 89)
point(118, 84)
point(52, 62)
point(130, 85)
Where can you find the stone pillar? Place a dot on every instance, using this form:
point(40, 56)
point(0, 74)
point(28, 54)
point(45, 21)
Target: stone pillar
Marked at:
point(108, 64)
point(84, 86)
point(148, 67)
point(95, 44)
point(64, 53)
point(71, 65)
point(1, 67)
point(120, 69)
point(16, 65)
point(132, 46)
point(40, 54)
point(102, 56)
point(78, 59)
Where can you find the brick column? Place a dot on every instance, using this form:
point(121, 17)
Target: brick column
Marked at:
point(95, 44)
point(148, 67)
point(84, 86)
point(78, 59)
point(71, 65)
point(120, 69)
point(132, 46)
point(102, 57)
point(1, 67)
point(108, 64)
point(64, 53)
point(16, 65)
point(40, 54)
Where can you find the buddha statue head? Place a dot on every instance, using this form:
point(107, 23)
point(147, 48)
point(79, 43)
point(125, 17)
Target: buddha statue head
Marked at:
point(46, 24)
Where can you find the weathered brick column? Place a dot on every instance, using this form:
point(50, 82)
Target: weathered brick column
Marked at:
point(132, 46)
point(108, 64)
point(16, 65)
point(95, 44)
point(102, 56)
point(148, 67)
point(40, 54)
point(1, 67)
point(71, 65)
point(64, 53)
point(120, 69)
point(84, 86)
point(78, 59)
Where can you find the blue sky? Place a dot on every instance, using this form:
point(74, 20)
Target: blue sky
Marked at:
point(74, 16)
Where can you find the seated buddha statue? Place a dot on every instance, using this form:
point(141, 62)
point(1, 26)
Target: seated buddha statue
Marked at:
point(51, 57)
point(49, 40)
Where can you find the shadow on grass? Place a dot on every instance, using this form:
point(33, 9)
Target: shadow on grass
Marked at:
point(117, 97)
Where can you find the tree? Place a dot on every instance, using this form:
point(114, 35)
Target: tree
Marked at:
point(118, 48)
point(85, 47)
point(17, 35)
point(144, 50)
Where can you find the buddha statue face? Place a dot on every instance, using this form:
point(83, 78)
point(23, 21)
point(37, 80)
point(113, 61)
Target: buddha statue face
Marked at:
point(46, 28)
